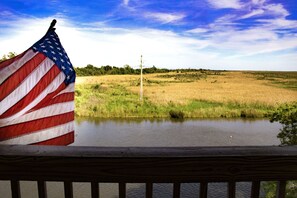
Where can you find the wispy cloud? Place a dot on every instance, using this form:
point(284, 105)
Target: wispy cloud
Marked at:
point(253, 13)
point(107, 45)
point(262, 7)
point(276, 9)
point(278, 23)
point(218, 4)
point(126, 2)
point(197, 30)
point(251, 8)
point(6, 14)
point(164, 17)
point(268, 32)
point(234, 38)
point(138, 9)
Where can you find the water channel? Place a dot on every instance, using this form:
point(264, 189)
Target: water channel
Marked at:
point(170, 133)
point(156, 133)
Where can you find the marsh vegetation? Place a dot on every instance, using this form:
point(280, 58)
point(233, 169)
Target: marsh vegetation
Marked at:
point(194, 94)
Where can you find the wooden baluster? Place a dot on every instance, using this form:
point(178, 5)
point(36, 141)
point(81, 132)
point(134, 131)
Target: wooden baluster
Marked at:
point(255, 189)
point(203, 189)
point(231, 189)
point(42, 189)
point(95, 189)
point(176, 190)
point(149, 190)
point(68, 189)
point(15, 189)
point(281, 189)
point(122, 190)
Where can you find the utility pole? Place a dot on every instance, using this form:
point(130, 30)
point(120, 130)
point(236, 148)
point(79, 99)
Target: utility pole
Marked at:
point(141, 82)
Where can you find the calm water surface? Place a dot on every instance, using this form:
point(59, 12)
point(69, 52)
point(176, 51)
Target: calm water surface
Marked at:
point(150, 133)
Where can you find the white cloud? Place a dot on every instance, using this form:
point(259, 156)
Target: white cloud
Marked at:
point(102, 45)
point(261, 7)
point(258, 2)
point(264, 36)
point(164, 17)
point(236, 4)
point(253, 13)
point(6, 14)
point(276, 9)
point(251, 8)
point(198, 30)
point(278, 23)
point(249, 35)
point(125, 2)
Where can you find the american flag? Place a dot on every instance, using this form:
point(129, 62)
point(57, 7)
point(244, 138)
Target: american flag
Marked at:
point(37, 95)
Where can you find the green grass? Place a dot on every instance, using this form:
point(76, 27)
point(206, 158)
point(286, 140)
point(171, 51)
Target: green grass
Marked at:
point(116, 102)
point(189, 76)
point(286, 80)
point(207, 109)
point(184, 77)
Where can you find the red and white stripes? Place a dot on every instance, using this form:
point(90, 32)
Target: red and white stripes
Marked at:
point(36, 106)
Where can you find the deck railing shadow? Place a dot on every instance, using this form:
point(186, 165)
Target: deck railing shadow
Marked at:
point(148, 165)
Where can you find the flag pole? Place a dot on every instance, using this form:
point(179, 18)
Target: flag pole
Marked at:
point(52, 26)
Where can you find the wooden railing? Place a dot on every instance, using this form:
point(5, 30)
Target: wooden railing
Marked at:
point(147, 165)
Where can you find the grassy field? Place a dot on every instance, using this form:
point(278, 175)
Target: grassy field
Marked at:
point(203, 94)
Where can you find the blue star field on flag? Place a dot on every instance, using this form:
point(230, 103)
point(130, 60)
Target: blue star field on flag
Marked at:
point(51, 47)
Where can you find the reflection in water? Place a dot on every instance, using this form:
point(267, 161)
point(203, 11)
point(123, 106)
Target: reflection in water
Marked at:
point(151, 133)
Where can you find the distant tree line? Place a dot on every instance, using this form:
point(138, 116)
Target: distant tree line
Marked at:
point(91, 70)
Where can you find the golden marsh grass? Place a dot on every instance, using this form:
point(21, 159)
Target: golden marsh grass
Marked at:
point(161, 91)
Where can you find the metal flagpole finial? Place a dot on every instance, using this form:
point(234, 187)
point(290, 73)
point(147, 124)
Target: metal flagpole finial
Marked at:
point(52, 26)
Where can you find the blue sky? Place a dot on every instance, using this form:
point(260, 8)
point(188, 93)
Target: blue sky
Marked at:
point(212, 34)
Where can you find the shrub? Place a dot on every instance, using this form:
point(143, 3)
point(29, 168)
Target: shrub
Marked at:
point(286, 115)
point(95, 109)
point(96, 87)
point(77, 93)
point(248, 113)
point(176, 114)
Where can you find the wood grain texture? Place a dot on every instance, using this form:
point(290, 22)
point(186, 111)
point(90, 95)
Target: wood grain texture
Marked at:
point(144, 165)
